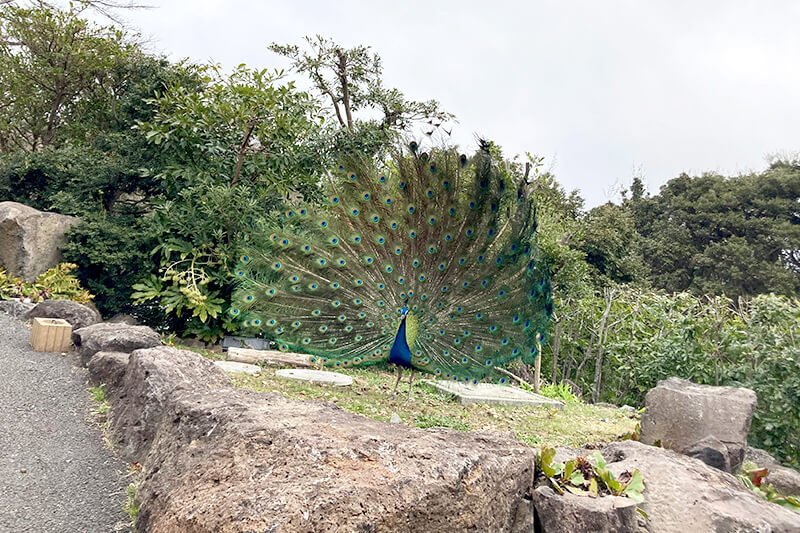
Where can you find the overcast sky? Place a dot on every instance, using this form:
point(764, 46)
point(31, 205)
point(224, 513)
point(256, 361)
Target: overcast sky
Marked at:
point(605, 90)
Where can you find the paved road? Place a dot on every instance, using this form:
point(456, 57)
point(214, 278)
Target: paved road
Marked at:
point(56, 474)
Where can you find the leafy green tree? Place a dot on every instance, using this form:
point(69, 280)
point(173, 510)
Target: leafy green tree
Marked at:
point(350, 81)
point(610, 241)
point(231, 153)
point(734, 236)
point(91, 164)
point(50, 59)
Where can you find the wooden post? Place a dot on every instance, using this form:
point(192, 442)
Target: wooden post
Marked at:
point(537, 365)
point(51, 335)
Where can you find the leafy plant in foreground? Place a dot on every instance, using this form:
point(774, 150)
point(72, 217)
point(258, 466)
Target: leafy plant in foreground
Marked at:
point(753, 478)
point(583, 477)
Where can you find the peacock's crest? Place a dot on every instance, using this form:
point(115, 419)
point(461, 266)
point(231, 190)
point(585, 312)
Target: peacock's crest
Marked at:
point(438, 243)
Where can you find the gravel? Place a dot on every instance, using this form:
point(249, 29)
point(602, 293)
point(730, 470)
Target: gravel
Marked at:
point(56, 473)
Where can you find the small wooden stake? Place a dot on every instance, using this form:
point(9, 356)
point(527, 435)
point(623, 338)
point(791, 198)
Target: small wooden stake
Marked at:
point(51, 335)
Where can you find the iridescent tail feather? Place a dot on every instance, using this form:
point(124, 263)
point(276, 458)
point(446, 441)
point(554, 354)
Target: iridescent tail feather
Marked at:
point(444, 234)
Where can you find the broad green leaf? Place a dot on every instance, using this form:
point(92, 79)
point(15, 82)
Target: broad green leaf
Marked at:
point(577, 491)
point(593, 487)
point(577, 478)
point(599, 461)
point(546, 461)
point(633, 489)
point(569, 468)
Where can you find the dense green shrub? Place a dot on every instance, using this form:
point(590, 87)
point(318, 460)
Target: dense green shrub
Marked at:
point(648, 336)
point(112, 253)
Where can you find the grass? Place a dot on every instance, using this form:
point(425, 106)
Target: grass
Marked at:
point(371, 396)
point(131, 505)
point(99, 396)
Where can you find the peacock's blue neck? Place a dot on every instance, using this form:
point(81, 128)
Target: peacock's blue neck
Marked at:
point(401, 353)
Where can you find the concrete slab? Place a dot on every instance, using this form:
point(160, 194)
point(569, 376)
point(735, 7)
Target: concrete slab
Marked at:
point(241, 368)
point(493, 394)
point(315, 376)
point(245, 342)
point(269, 357)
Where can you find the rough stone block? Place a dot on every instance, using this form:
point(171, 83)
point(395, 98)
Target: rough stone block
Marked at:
point(680, 414)
point(152, 377)
point(568, 513)
point(31, 240)
point(78, 315)
point(684, 494)
point(105, 337)
point(236, 460)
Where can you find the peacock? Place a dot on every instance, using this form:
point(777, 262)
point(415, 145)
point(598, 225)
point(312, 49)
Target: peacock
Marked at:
point(429, 263)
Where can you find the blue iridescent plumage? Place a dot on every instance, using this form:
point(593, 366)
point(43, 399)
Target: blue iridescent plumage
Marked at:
point(429, 263)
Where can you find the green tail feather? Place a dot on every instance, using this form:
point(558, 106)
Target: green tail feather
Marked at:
point(446, 234)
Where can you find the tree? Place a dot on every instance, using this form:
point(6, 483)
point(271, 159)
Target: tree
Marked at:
point(231, 154)
point(610, 242)
point(712, 234)
point(89, 164)
point(350, 80)
point(50, 60)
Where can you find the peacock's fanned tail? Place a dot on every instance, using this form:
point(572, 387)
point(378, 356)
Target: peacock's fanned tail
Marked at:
point(445, 235)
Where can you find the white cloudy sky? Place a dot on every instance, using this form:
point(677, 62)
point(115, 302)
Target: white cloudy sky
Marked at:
point(602, 89)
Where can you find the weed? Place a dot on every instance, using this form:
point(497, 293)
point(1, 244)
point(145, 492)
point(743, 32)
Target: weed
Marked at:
point(559, 391)
point(443, 421)
point(100, 398)
point(131, 505)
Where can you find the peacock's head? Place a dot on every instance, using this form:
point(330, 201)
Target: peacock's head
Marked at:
point(404, 311)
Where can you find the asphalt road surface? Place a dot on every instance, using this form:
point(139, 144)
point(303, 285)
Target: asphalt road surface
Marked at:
point(56, 473)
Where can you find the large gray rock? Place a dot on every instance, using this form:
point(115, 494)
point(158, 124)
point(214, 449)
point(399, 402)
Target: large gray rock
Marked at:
point(121, 318)
point(785, 480)
point(569, 513)
point(712, 452)
point(680, 414)
point(105, 337)
point(684, 494)
point(31, 240)
point(78, 315)
point(235, 460)
point(15, 308)
point(109, 368)
point(152, 377)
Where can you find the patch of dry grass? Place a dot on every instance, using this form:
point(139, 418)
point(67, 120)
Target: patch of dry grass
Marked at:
point(370, 395)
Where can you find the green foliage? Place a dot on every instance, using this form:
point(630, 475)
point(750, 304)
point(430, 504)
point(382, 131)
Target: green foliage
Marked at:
point(752, 477)
point(442, 421)
point(63, 285)
point(111, 252)
point(610, 242)
point(132, 504)
point(715, 235)
point(350, 80)
point(14, 287)
point(57, 283)
point(649, 336)
point(222, 181)
point(50, 60)
point(100, 397)
point(559, 391)
point(586, 478)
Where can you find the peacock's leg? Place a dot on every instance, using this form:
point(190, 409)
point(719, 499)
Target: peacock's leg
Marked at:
point(396, 383)
point(410, 384)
